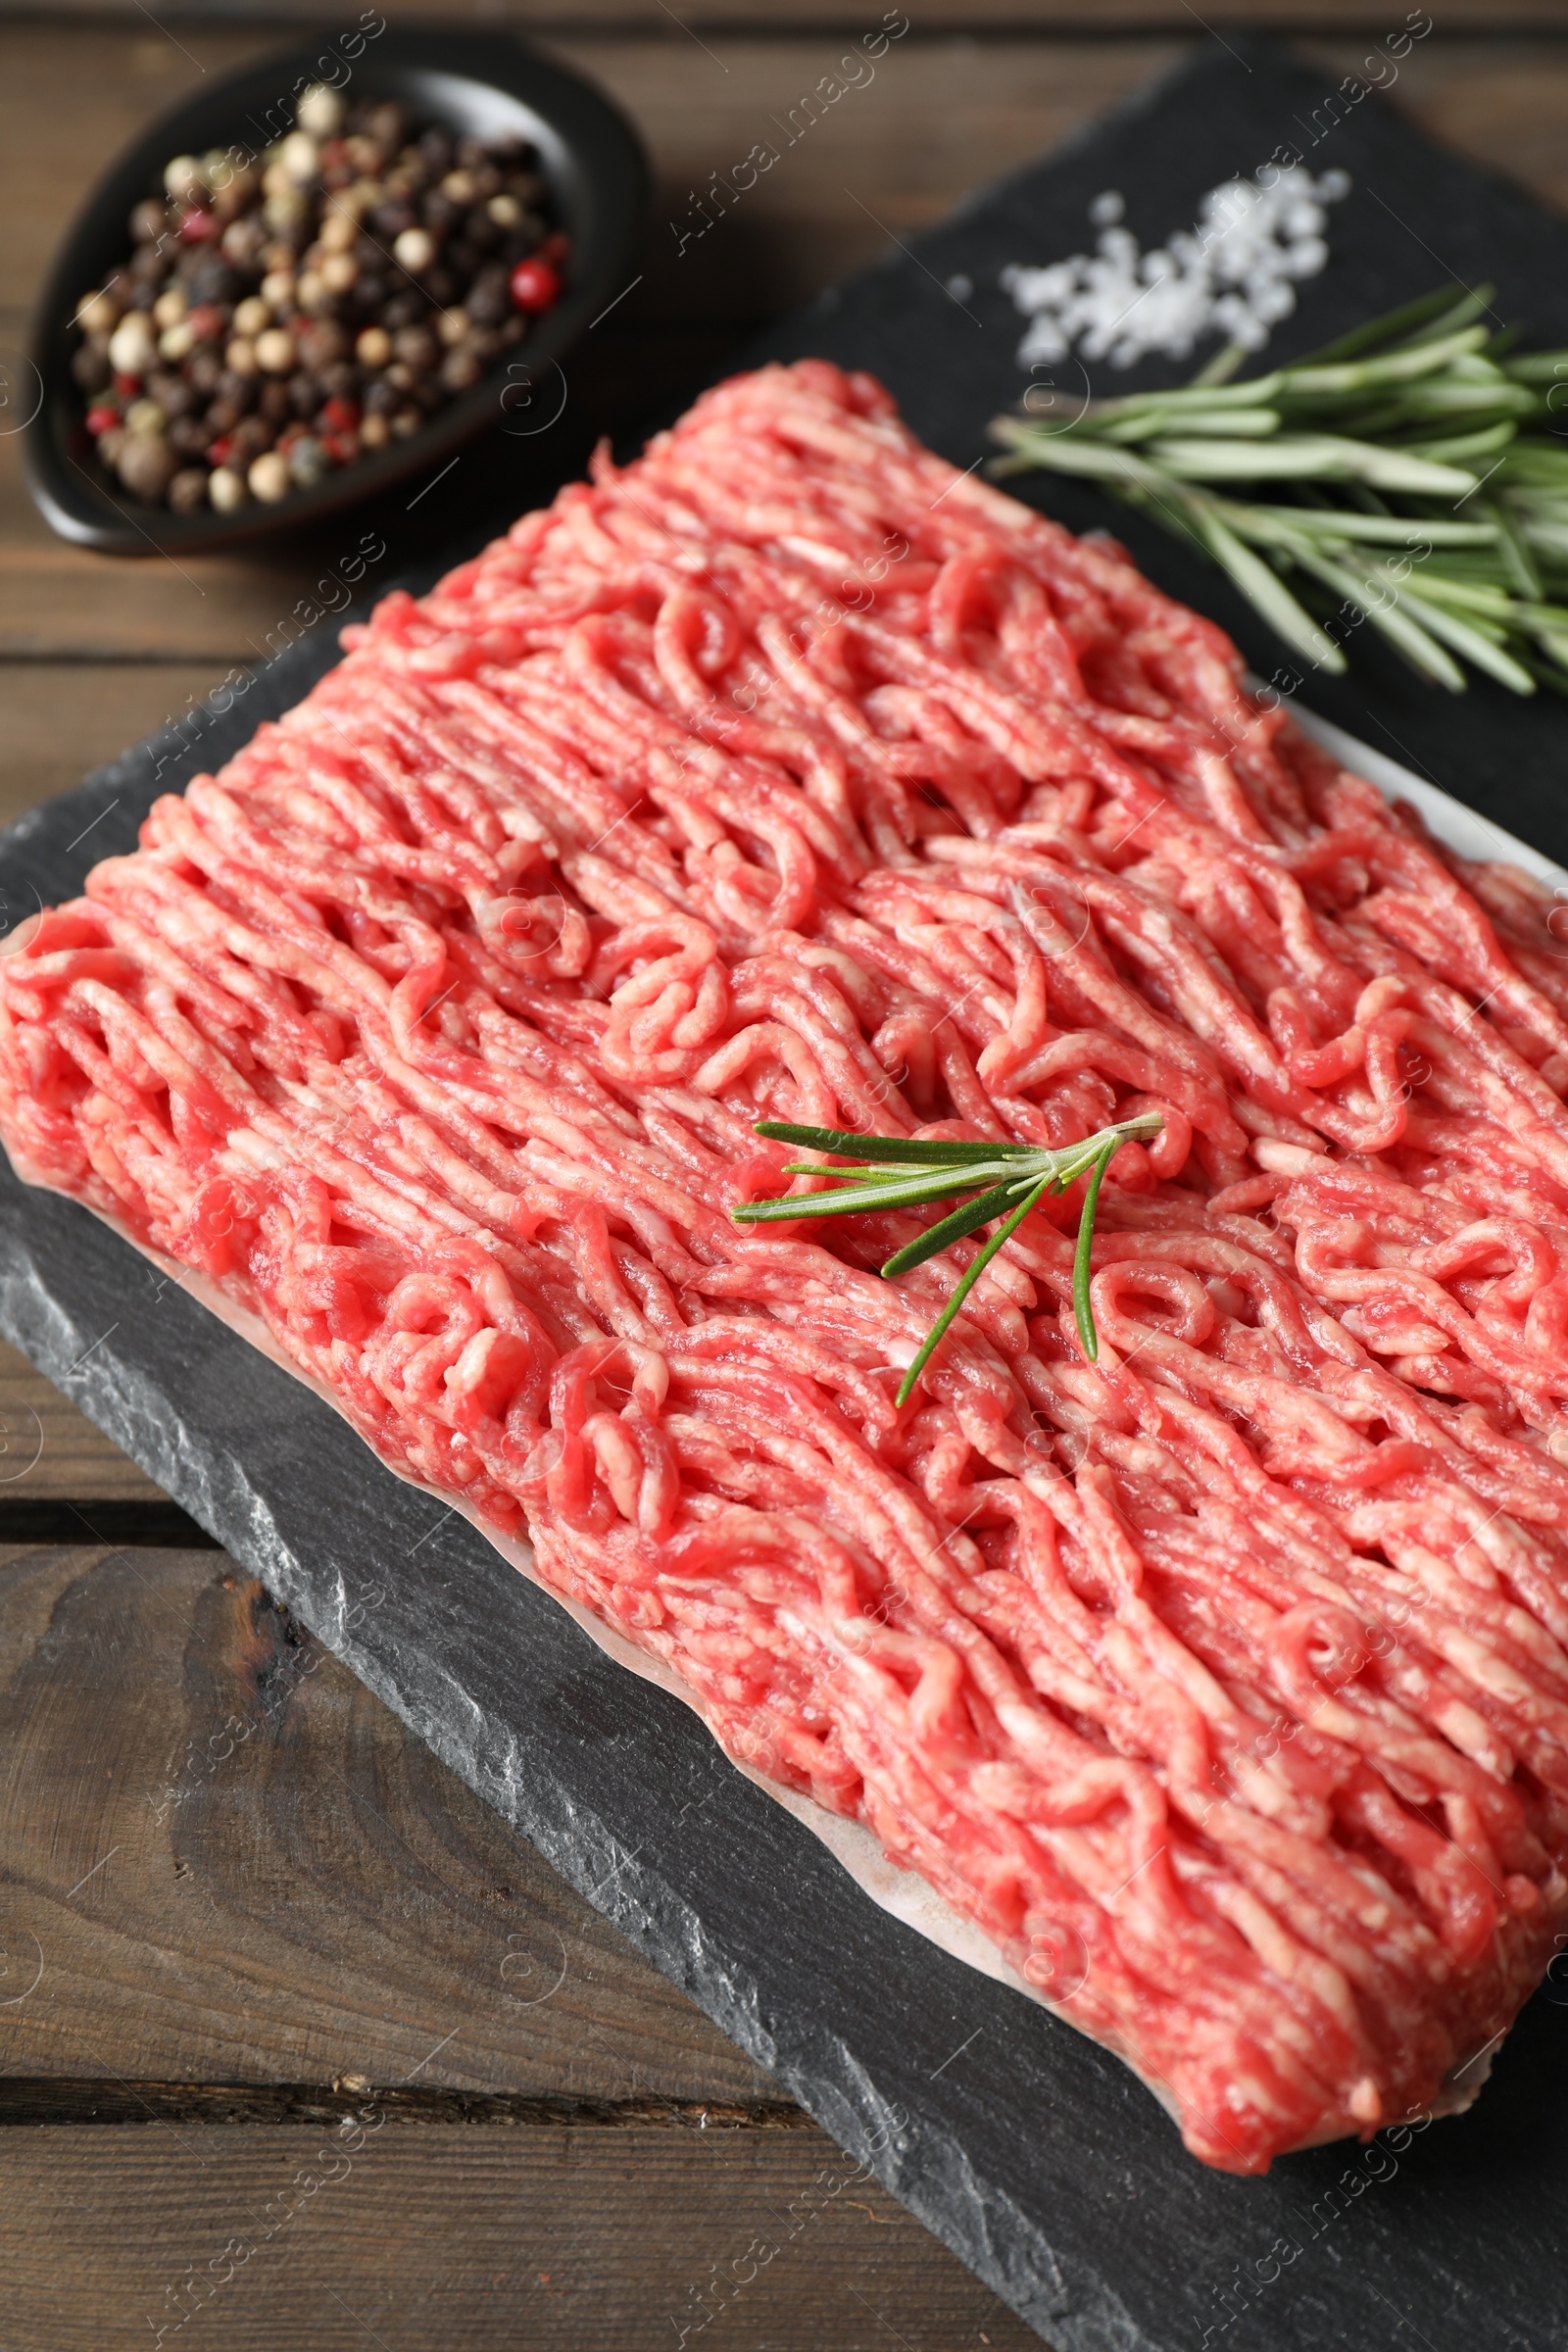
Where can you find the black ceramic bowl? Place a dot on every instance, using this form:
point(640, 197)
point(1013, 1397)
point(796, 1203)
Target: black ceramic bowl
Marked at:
point(488, 85)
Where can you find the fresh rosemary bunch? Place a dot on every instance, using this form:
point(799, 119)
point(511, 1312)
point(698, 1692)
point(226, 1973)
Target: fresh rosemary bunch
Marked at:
point(1414, 475)
point(1001, 1179)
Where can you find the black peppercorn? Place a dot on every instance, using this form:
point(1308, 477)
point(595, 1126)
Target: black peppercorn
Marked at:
point(204, 371)
point(460, 368)
point(90, 367)
point(488, 302)
point(387, 123)
point(251, 435)
point(187, 492)
point(403, 311)
point(415, 347)
point(238, 392)
point(323, 343)
point(211, 279)
point(340, 381)
point(275, 404)
point(191, 436)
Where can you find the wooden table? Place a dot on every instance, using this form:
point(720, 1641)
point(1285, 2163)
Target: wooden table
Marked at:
point(271, 1978)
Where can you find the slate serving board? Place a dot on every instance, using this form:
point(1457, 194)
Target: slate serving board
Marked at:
point(1036, 2156)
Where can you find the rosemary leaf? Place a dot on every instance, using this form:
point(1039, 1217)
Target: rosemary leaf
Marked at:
point(855, 1199)
point(963, 1220)
point(918, 1152)
point(1082, 1304)
point(1267, 591)
point(971, 1276)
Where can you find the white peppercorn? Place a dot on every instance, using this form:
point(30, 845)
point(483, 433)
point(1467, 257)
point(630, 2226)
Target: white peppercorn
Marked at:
point(98, 313)
point(269, 478)
point(227, 490)
point(286, 211)
point(319, 111)
point(299, 157)
point(274, 351)
point(131, 349)
point(413, 250)
point(182, 178)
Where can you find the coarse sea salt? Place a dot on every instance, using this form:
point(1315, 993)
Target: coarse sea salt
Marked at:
point(1233, 274)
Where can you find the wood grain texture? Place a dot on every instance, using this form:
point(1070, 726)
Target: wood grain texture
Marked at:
point(228, 1876)
point(229, 1864)
point(492, 2240)
point(49, 1450)
point(746, 20)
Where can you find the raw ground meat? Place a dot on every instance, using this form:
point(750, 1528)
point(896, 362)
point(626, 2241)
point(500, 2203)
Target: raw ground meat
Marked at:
point(789, 774)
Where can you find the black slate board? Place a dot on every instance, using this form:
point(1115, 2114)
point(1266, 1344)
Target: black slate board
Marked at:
point(1035, 2155)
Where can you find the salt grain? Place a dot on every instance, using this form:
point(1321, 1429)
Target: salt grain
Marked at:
point(1234, 274)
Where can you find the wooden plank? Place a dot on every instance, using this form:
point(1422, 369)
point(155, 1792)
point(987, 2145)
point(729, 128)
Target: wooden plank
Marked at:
point(940, 119)
point(734, 22)
point(433, 2236)
point(226, 1863)
point(48, 1449)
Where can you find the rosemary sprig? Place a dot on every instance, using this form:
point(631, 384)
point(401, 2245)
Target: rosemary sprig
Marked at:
point(1412, 476)
point(1001, 1179)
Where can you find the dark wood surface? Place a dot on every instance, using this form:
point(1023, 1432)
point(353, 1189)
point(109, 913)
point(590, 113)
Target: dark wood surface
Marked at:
point(298, 2043)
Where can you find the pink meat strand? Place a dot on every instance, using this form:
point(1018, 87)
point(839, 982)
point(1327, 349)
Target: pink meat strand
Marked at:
point(787, 773)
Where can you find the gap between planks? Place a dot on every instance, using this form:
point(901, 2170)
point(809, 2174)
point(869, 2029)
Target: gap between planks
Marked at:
point(33, 2099)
